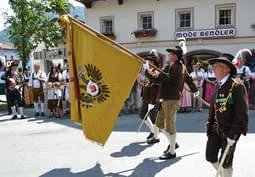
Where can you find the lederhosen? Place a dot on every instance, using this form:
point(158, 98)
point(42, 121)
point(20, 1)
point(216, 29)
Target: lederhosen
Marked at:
point(14, 94)
point(221, 104)
point(149, 94)
point(37, 92)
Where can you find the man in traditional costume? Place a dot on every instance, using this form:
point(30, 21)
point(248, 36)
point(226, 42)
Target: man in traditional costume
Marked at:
point(149, 95)
point(14, 85)
point(228, 115)
point(36, 82)
point(171, 84)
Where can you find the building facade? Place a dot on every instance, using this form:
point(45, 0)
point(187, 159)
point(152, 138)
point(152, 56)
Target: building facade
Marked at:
point(211, 27)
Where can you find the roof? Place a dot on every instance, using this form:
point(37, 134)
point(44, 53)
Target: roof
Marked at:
point(7, 46)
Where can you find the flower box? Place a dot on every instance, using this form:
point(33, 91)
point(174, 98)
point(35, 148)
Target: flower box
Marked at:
point(110, 35)
point(145, 33)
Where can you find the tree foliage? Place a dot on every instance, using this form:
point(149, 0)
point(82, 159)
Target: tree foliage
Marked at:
point(32, 24)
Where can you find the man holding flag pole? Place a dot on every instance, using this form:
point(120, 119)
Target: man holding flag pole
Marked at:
point(171, 84)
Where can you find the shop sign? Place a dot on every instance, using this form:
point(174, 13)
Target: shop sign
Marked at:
point(207, 33)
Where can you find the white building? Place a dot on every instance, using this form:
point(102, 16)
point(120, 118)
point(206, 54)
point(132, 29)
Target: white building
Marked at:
point(211, 27)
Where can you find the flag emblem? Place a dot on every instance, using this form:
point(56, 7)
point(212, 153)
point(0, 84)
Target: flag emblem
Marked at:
point(92, 88)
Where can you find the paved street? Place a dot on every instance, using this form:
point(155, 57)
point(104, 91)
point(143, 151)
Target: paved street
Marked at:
point(56, 148)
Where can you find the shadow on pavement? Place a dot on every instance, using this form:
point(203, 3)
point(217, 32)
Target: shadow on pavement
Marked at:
point(66, 172)
point(148, 168)
point(131, 150)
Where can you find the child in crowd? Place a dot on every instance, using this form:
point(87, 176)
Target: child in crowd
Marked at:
point(51, 100)
point(58, 96)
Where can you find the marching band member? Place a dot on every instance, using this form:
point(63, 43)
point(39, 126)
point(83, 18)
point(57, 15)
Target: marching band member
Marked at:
point(171, 84)
point(228, 115)
point(14, 84)
point(149, 94)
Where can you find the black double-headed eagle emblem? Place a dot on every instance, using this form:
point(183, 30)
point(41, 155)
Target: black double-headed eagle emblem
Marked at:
point(92, 87)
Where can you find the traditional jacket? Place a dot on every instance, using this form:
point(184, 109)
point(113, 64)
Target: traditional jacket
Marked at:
point(17, 79)
point(229, 109)
point(150, 93)
point(171, 85)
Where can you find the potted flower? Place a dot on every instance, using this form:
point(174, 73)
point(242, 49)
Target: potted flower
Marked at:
point(110, 35)
point(145, 33)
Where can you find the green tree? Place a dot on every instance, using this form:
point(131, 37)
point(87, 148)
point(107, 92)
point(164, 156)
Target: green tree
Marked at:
point(32, 24)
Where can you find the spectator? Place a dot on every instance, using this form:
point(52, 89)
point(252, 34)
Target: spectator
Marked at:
point(58, 96)
point(252, 96)
point(65, 76)
point(37, 82)
point(244, 73)
point(210, 83)
point(27, 94)
point(186, 101)
point(54, 75)
point(198, 78)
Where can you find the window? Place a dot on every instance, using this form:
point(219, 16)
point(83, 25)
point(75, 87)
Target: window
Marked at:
point(184, 19)
point(225, 15)
point(107, 25)
point(145, 20)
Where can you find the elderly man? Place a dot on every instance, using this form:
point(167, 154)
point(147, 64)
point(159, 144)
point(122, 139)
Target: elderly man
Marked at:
point(228, 115)
point(171, 84)
point(36, 82)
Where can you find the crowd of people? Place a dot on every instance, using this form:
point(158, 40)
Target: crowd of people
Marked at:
point(36, 88)
point(205, 81)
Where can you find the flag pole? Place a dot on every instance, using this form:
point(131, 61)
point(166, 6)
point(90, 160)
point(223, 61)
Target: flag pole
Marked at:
point(112, 42)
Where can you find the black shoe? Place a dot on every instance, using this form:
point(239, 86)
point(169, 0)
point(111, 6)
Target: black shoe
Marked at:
point(37, 114)
point(153, 140)
point(42, 114)
point(168, 147)
point(151, 135)
point(22, 117)
point(167, 156)
point(14, 117)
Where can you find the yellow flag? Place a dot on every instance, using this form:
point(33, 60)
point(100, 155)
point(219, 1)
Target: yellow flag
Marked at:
point(103, 74)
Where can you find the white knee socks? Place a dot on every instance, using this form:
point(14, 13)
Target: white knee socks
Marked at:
point(36, 107)
point(172, 143)
point(14, 112)
point(21, 111)
point(149, 124)
point(42, 107)
point(156, 131)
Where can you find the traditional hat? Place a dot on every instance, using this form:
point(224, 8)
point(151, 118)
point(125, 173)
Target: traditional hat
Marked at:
point(154, 59)
point(13, 64)
point(224, 60)
point(177, 51)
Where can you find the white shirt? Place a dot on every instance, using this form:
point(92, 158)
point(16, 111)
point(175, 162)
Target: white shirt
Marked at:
point(224, 80)
point(50, 94)
point(36, 83)
point(57, 93)
point(194, 75)
point(65, 75)
point(210, 74)
point(244, 70)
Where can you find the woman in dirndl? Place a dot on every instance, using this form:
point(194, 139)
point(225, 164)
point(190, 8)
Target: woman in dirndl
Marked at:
point(210, 83)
